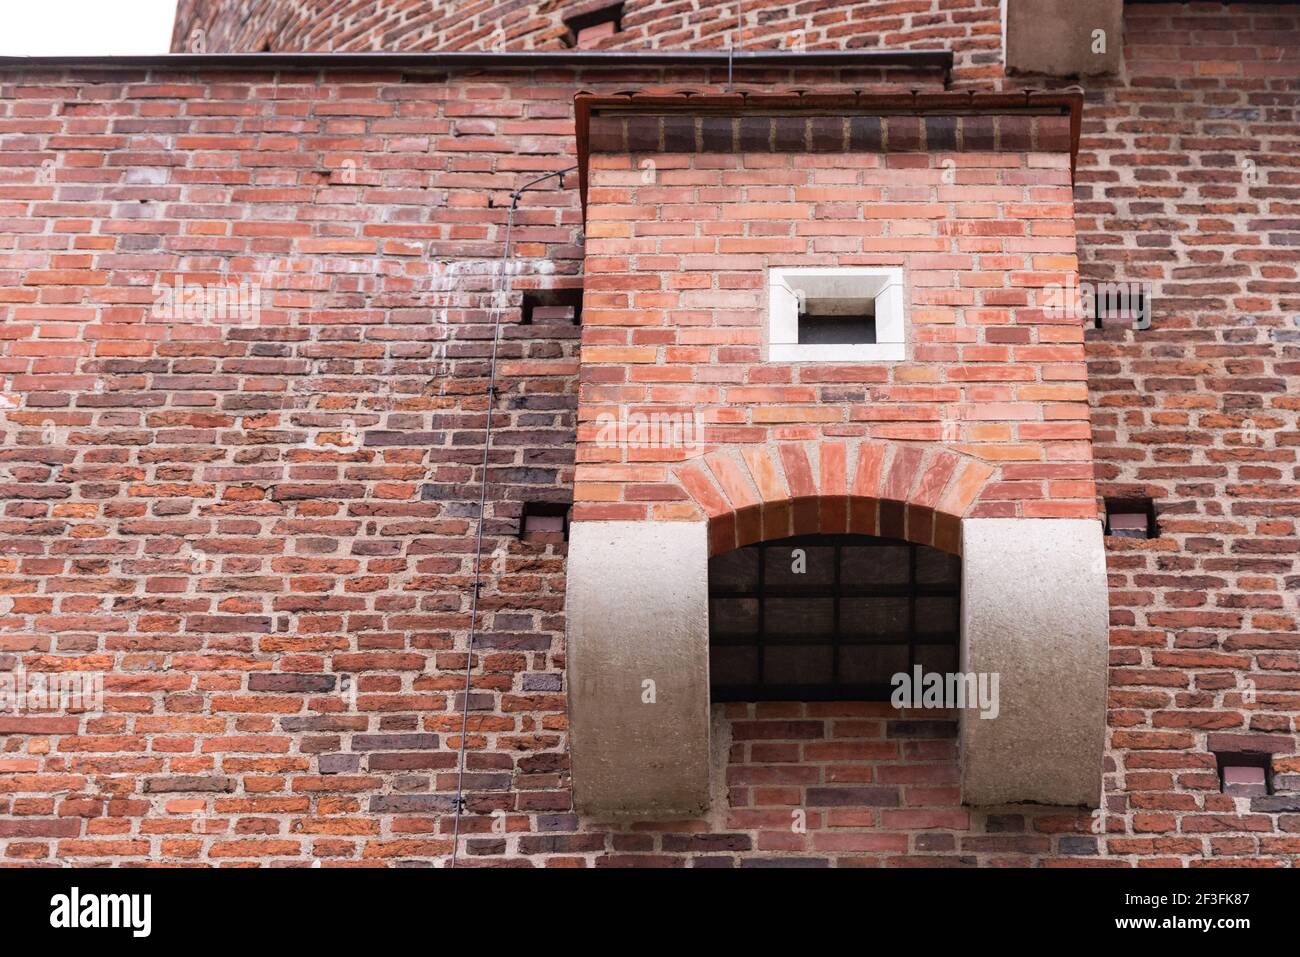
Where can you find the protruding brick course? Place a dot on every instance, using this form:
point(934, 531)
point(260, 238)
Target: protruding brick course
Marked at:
point(802, 134)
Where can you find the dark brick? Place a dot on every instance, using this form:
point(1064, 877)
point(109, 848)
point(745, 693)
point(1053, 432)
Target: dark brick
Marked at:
point(826, 134)
point(301, 683)
point(790, 133)
point(903, 134)
point(1275, 804)
point(940, 133)
point(543, 682)
point(1052, 134)
point(338, 763)
point(706, 843)
point(978, 134)
point(412, 803)
point(755, 134)
point(644, 134)
point(170, 784)
point(935, 843)
point(606, 135)
point(679, 134)
point(1078, 845)
point(561, 843)
point(1004, 824)
point(783, 862)
point(1015, 133)
point(848, 797)
point(394, 742)
point(865, 134)
point(718, 133)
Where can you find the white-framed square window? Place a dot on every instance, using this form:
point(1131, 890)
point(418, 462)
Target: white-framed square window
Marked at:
point(824, 314)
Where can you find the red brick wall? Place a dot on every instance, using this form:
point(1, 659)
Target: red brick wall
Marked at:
point(972, 28)
point(205, 531)
point(1199, 412)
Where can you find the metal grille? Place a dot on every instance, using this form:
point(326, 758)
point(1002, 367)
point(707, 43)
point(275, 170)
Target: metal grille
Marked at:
point(829, 617)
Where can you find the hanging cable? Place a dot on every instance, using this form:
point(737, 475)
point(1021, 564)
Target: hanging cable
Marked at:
point(482, 501)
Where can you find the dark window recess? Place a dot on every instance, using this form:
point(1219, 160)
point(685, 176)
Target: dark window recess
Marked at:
point(545, 522)
point(1131, 518)
point(542, 306)
point(1121, 305)
point(837, 321)
point(1243, 774)
point(594, 24)
point(829, 617)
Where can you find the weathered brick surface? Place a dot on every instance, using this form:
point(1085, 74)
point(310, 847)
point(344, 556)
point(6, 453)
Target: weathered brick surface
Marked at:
point(971, 28)
point(209, 530)
point(678, 248)
point(851, 785)
point(233, 521)
point(1187, 179)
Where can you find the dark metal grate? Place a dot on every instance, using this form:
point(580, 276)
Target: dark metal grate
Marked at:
point(862, 609)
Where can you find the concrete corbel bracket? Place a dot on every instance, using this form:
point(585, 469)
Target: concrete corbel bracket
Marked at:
point(1035, 612)
point(638, 668)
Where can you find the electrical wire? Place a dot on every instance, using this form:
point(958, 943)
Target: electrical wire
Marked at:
point(482, 504)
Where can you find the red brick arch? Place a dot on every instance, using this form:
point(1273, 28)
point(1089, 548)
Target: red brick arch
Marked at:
point(896, 490)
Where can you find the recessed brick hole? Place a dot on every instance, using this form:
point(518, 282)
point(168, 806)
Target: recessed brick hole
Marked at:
point(1131, 518)
point(1245, 775)
point(543, 306)
point(1124, 306)
point(545, 522)
point(588, 28)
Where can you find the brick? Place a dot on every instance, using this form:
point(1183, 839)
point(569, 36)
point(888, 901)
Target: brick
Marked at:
point(186, 783)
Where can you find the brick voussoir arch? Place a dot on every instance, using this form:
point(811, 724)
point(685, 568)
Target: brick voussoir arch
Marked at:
point(895, 490)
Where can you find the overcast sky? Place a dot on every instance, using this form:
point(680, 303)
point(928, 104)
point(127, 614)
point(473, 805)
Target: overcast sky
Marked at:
point(85, 27)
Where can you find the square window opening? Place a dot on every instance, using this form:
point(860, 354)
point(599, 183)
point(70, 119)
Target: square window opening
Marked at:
point(1131, 518)
point(847, 314)
point(551, 306)
point(545, 522)
point(1244, 774)
point(589, 27)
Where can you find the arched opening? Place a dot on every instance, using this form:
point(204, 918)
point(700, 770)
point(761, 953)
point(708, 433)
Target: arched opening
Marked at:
point(830, 617)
